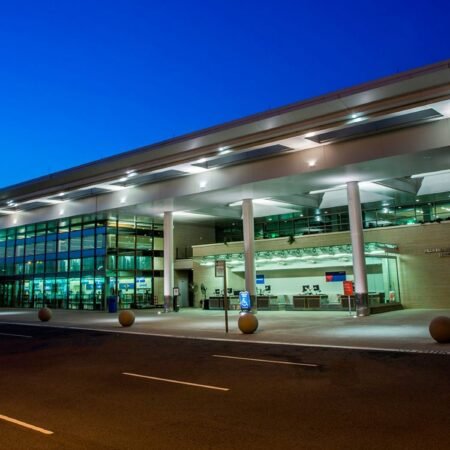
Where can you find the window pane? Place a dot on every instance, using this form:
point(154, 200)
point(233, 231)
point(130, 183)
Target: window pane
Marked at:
point(88, 242)
point(75, 265)
point(126, 262)
point(62, 265)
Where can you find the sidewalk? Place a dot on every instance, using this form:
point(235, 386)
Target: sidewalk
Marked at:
point(405, 330)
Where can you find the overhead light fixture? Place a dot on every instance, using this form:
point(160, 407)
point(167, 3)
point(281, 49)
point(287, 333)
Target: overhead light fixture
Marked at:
point(189, 168)
point(263, 201)
point(61, 194)
point(311, 163)
point(61, 212)
point(201, 161)
point(322, 191)
point(131, 174)
point(123, 179)
point(225, 151)
point(203, 184)
point(310, 134)
point(191, 215)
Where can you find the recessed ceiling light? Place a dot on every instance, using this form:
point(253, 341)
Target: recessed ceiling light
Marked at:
point(123, 179)
point(62, 194)
point(131, 174)
point(310, 134)
point(201, 161)
point(202, 184)
point(311, 163)
point(354, 116)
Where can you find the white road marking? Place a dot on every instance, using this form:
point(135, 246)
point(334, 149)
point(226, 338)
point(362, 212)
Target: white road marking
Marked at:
point(288, 363)
point(25, 425)
point(15, 335)
point(167, 380)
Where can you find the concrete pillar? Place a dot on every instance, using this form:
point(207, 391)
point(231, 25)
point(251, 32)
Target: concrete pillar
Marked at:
point(249, 250)
point(168, 260)
point(357, 239)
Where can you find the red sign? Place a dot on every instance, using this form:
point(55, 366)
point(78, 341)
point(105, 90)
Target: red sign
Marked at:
point(348, 287)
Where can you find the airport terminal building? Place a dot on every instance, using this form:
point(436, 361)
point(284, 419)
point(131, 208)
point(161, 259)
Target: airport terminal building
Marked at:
point(339, 201)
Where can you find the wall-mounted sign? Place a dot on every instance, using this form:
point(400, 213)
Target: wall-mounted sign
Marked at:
point(176, 292)
point(220, 268)
point(260, 279)
point(335, 276)
point(443, 251)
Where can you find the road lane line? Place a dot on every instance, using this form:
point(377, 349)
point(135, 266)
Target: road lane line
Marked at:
point(15, 335)
point(25, 425)
point(288, 363)
point(167, 380)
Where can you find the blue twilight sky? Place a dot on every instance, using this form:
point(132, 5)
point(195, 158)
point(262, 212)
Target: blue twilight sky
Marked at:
point(84, 79)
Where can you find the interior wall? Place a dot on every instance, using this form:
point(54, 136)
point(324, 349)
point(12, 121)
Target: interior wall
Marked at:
point(186, 235)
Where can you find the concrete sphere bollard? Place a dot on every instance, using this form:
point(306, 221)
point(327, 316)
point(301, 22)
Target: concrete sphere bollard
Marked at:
point(248, 323)
point(126, 318)
point(45, 314)
point(440, 329)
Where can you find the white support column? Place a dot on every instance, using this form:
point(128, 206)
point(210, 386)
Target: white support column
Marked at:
point(357, 239)
point(168, 260)
point(249, 250)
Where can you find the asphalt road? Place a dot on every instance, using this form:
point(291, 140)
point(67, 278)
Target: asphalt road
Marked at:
point(73, 384)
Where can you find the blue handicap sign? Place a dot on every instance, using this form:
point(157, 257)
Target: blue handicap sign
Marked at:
point(244, 300)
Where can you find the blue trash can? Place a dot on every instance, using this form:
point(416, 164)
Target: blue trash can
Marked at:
point(112, 304)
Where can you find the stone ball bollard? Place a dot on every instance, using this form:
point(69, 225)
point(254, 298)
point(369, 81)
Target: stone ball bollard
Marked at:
point(45, 314)
point(440, 329)
point(247, 323)
point(126, 318)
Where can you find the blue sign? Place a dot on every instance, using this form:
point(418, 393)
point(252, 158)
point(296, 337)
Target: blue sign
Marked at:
point(260, 279)
point(244, 300)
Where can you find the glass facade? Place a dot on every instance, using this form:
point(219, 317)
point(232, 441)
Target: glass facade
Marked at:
point(329, 220)
point(77, 263)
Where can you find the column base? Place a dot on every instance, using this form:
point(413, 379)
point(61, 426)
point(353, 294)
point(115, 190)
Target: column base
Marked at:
point(168, 303)
point(362, 304)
